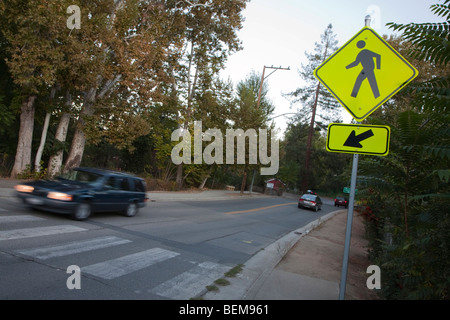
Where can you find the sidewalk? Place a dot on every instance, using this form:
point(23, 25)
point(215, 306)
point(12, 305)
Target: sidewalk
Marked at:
point(306, 264)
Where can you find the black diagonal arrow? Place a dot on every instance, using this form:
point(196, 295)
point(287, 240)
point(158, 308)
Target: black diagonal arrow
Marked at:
point(354, 140)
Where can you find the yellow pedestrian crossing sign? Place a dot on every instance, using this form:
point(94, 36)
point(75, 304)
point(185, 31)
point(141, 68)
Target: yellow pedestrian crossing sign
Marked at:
point(364, 73)
point(358, 138)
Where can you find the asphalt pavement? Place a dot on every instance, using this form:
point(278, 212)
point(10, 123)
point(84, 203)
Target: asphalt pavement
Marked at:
point(305, 264)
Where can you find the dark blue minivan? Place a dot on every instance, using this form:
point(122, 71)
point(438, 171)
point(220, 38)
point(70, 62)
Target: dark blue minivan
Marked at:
point(82, 191)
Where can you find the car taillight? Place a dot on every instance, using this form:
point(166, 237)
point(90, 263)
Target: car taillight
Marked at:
point(313, 202)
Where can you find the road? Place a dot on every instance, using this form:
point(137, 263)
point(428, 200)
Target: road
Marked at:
point(170, 250)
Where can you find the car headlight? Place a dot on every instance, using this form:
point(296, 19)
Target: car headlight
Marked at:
point(59, 196)
point(24, 188)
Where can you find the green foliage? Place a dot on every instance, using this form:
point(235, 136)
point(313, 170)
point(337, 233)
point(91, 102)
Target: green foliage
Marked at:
point(30, 173)
point(407, 192)
point(6, 116)
point(430, 40)
point(329, 171)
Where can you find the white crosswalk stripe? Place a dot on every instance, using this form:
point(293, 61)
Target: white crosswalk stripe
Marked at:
point(73, 247)
point(115, 268)
point(19, 218)
point(192, 282)
point(38, 232)
point(180, 287)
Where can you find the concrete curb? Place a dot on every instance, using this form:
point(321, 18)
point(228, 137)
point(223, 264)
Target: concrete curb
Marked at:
point(246, 285)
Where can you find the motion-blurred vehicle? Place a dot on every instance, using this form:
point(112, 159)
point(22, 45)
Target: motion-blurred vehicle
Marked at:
point(82, 191)
point(310, 201)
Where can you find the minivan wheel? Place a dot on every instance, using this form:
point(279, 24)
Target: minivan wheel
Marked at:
point(131, 210)
point(82, 212)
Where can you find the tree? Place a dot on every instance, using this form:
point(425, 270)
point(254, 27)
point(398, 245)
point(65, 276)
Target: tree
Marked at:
point(7, 115)
point(129, 48)
point(329, 172)
point(210, 36)
point(29, 28)
point(408, 191)
point(247, 114)
point(316, 101)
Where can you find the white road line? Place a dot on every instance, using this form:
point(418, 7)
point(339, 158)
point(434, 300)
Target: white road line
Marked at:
point(192, 282)
point(37, 232)
point(20, 218)
point(73, 247)
point(124, 265)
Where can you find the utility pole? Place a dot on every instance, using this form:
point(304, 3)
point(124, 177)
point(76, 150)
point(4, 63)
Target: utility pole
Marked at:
point(259, 100)
point(263, 78)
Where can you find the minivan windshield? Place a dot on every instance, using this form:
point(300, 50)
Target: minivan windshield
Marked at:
point(80, 176)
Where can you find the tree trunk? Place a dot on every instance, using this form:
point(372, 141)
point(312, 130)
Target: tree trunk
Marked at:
point(56, 160)
point(202, 185)
point(244, 179)
point(79, 139)
point(23, 153)
point(37, 161)
point(77, 147)
point(179, 180)
point(305, 182)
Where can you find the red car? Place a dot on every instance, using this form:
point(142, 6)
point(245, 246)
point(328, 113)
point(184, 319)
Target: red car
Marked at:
point(340, 201)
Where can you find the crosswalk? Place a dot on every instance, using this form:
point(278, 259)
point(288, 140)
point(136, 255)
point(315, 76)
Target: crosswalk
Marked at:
point(193, 280)
point(74, 247)
point(181, 286)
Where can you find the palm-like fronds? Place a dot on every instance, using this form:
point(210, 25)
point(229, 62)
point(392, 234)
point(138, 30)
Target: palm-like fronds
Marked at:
point(430, 40)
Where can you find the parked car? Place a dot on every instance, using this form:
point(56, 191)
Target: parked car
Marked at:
point(340, 201)
point(82, 191)
point(310, 201)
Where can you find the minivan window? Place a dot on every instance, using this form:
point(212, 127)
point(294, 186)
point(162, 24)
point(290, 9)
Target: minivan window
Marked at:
point(117, 183)
point(139, 185)
point(80, 176)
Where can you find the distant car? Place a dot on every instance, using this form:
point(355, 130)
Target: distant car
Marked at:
point(340, 201)
point(310, 201)
point(82, 191)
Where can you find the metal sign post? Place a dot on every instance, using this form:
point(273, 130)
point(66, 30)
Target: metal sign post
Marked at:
point(348, 232)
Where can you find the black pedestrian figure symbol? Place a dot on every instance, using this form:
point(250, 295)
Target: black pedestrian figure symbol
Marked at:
point(366, 58)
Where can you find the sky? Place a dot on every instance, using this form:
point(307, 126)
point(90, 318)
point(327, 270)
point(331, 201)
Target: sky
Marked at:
point(279, 32)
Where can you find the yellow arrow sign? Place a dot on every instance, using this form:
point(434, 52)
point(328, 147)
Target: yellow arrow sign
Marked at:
point(358, 138)
point(364, 73)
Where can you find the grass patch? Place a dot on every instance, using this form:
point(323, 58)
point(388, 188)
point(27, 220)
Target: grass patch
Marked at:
point(212, 288)
point(234, 271)
point(222, 282)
